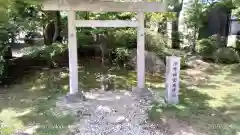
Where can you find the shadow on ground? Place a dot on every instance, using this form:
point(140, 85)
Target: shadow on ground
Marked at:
point(30, 104)
point(209, 107)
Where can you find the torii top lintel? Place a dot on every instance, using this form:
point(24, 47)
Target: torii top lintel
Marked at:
point(104, 5)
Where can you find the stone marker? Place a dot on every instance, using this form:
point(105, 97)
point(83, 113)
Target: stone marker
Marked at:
point(172, 79)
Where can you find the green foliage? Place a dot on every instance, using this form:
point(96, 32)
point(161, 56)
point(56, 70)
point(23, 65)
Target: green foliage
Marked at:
point(124, 40)
point(155, 42)
point(193, 14)
point(122, 56)
point(16, 16)
point(114, 37)
point(213, 49)
point(48, 53)
point(125, 37)
point(184, 60)
point(155, 112)
point(2, 65)
point(161, 17)
point(3, 46)
point(226, 55)
point(207, 46)
point(238, 45)
point(84, 39)
point(192, 17)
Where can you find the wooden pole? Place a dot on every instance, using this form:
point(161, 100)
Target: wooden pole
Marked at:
point(140, 51)
point(72, 51)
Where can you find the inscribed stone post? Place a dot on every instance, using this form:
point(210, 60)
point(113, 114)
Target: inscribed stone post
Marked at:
point(172, 79)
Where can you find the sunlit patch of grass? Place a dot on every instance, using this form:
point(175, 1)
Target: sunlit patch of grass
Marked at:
point(27, 109)
point(32, 101)
point(212, 107)
point(9, 122)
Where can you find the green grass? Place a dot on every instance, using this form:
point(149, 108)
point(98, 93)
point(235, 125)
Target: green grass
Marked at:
point(32, 102)
point(209, 102)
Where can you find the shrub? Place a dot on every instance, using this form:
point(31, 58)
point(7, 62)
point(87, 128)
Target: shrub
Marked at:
point(179, 53)
point(2, 62)
point(30, 37)
point(3, 48)
point(124, 38)
point(155, 42)
point(114, 37)
point(213, 49)
point(2, 59)
point(184, 61)
point(206, 47)
point(2, 69)
point(84, 39)
point(48, 53)
point(238, 45)
point(128, 39)
point(121, 56)
point(226, 55)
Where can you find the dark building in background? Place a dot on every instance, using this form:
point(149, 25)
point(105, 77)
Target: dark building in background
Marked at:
point(221, 22)
point(217, 22)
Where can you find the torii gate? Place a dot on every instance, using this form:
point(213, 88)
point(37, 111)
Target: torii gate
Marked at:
point(72, 6)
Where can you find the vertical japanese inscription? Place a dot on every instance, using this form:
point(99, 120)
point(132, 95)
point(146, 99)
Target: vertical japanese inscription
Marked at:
point(172, 79)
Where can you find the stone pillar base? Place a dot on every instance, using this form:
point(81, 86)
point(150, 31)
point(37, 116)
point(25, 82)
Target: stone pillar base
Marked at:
point(143, 93)
point(76, 97)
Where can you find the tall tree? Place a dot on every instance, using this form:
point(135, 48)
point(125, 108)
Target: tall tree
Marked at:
point(52, 27)
point(192, 18)
point(236, 11)
point(177, 7)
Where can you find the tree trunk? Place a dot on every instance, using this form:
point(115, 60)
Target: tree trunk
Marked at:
point(49, 33)
point(12, 38)
point(52, 29)
point(162, 27)
point(57, 26)
point(193, 46)
point(175, 33)
point(8, 53)
point(86, 16)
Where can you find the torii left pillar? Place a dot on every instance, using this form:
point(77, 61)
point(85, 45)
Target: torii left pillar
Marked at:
point(140, 51)
point(74, 94)
point(72, 53)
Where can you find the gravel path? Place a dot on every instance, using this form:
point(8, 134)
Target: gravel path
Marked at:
point(111, 113)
